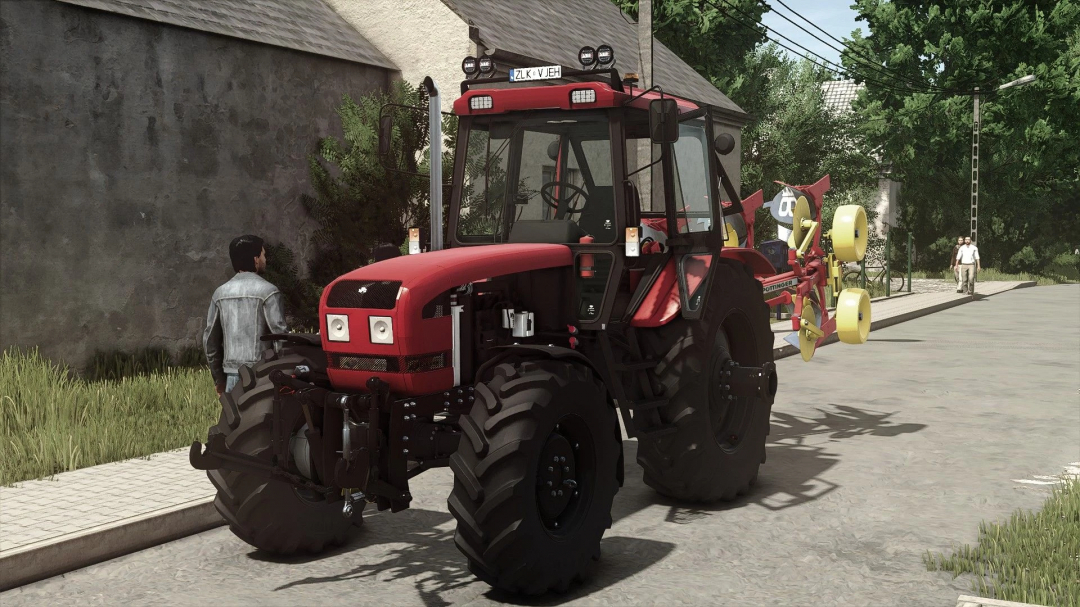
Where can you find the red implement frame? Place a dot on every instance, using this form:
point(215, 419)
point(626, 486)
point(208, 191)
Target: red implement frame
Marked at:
point(812, 272)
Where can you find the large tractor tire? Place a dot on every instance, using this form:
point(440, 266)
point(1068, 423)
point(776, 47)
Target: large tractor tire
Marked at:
point(535, 476)
point(719, 443)
point(269, 514)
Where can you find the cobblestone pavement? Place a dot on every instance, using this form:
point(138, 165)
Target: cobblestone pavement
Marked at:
point(44, 510)
point(878, 453)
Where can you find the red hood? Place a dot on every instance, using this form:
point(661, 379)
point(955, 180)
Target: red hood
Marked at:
point(427, 275)
point(423, 278)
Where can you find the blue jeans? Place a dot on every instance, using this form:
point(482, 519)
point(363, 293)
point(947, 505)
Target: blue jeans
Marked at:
point(230, 381)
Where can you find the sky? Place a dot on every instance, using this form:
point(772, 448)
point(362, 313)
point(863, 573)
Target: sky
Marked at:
point(833, 16)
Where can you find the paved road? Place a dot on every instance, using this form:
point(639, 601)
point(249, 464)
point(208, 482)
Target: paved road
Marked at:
point(891, 449)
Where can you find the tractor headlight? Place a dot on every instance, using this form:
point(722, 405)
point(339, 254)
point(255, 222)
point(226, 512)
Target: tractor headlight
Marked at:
point(583, 96)
point(480, 102)
point(605, 55)
point(586, 56)
point(381, 329)
point(337, 327)
point(468, 65)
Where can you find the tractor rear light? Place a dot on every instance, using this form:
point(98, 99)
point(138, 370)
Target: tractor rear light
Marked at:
point(337, 327)
point(381, 329)
point(583, 96)
point(480, 102)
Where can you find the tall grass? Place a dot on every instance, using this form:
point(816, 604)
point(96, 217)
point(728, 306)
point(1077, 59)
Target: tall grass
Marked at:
point(988, 274)
point(53, 421)
point(1032, 558)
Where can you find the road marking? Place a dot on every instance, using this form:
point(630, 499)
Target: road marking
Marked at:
point(1072, 471)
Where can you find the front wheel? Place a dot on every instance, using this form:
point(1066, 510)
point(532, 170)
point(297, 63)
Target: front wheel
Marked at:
point(269, 514)
point(535, 476)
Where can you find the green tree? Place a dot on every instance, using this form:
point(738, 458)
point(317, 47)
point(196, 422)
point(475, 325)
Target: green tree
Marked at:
point(796, 138)
point(706, 38)
point(918, 116)
point(361, 199)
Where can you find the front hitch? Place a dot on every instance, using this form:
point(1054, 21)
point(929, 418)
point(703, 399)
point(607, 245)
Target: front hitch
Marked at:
point(218, 455)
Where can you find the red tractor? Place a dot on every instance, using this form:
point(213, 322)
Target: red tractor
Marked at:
point(510, 355)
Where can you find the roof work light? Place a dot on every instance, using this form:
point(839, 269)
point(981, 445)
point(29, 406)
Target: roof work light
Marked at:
point(605, 55)
point(586, 56)
point(468, 65)
point(486, 65)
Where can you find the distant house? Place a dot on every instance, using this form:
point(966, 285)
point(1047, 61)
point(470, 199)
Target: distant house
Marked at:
point(138, 138)
point(431, 37)
point(838, 96)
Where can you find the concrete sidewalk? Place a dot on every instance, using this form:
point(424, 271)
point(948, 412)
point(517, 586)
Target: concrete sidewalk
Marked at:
point(75, 519)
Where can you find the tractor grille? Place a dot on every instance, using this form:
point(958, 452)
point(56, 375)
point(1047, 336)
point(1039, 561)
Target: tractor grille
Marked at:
point(390, 364)
point(438, 307)
point(373, 295)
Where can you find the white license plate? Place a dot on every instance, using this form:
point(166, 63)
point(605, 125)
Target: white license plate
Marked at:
point(546, 72)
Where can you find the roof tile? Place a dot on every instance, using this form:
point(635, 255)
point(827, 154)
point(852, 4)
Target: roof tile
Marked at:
point(304, 25)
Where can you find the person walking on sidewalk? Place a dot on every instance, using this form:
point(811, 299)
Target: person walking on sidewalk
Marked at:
point(968, 258)
point(953, 265)
point(241, 311)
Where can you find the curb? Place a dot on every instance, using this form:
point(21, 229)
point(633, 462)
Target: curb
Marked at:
point(55, 556)
point(790, 350)
point(978, 601)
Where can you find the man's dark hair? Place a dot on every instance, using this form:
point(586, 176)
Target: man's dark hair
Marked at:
point(243, 251)
point(385, 251)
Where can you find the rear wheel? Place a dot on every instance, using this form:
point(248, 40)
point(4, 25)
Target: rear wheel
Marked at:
point(719, 441)
point(268, 514)
point(535, 476)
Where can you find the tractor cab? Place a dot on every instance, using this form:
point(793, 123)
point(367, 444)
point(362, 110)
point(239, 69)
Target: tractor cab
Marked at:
point(627, 178)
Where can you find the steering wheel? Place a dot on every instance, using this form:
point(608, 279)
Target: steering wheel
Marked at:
point(564, 205)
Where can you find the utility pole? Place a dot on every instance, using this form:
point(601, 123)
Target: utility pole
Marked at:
point(976, 124)
point(645, 66)
point(645, 40)
point(975, 170)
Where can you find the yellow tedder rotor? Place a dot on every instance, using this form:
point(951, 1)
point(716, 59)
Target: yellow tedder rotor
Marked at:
point(801, 223)
point(853, 316)
point(849, 233)
point(809, 331)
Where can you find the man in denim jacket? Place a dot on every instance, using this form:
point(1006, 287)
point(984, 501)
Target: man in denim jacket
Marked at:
point(241, 311)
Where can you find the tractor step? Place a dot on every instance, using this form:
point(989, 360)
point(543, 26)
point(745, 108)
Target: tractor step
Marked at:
point(657, 432)
point(637, 366)
point(645, 405)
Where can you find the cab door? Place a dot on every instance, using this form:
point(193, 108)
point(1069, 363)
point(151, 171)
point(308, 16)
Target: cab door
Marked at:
point(692, 202)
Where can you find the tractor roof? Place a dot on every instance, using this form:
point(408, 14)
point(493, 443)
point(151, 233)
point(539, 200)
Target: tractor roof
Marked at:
point(559, 96)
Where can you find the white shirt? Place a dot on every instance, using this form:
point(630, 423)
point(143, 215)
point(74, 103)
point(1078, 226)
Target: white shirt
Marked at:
point(968, 253)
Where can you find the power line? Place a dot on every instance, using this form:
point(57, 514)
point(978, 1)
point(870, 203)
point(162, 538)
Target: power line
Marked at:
point(868, 62)
point(826, 64)
point(838, 70)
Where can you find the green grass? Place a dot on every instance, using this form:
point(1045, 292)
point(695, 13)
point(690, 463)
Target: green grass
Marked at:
point(1032, 558)
point(54, 421)
point(988, 274)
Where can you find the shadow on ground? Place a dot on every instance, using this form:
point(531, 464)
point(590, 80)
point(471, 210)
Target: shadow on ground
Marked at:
point(425, 554)
point(794, 468)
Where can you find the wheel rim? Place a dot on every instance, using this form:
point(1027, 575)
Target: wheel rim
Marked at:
point(731, 417)
point(565, 475)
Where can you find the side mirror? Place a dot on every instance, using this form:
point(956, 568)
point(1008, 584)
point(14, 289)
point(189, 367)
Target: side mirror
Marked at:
point(723, 144)
point(663, 121)
point(386, 130)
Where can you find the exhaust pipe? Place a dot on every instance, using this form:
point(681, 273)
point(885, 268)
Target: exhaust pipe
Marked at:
point(435, 143)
